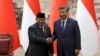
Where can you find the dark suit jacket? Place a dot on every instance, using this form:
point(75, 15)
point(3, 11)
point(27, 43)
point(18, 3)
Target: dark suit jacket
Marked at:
point(37, 41)
point(69, 40)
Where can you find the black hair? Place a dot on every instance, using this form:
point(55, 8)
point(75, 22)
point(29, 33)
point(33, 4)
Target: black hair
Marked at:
point(64, 7)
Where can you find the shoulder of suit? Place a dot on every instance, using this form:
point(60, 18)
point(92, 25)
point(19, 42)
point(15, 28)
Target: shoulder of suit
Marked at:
point(46, 26)
point(71, 19)
point(57, 21)
point(32, 26)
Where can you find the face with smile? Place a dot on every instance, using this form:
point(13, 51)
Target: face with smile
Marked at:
point(40, 21)
point(63, 12)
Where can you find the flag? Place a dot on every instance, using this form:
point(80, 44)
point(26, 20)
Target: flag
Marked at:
point(88, 26)
point(31, 8)
point(8, 21)
point(54, 15)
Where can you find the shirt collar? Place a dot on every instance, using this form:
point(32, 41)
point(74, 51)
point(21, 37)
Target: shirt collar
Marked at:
point(41, 26)
point(64, 20)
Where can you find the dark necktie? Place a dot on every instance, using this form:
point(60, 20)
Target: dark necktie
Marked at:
point(62, 26)
point(42, 29)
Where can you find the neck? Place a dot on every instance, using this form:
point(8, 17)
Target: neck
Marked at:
point(64, 18)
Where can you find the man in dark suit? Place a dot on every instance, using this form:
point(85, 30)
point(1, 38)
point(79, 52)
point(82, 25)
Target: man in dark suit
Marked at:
point(67, 32)
point(39, 34)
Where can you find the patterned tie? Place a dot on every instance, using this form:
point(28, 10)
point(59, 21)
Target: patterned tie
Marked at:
point(42, 29)
point(62, 26)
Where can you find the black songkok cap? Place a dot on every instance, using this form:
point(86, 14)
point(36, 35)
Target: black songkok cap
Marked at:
point(40, 15)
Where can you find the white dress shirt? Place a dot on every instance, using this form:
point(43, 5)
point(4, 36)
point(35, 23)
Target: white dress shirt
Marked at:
point(42, 27)
point(65, 21)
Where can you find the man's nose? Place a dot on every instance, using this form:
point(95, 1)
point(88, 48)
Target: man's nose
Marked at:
point(41, 21)
point(62, 14)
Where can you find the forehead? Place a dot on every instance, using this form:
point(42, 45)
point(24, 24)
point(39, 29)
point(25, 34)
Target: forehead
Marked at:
point(41, 18)
point(62, 10)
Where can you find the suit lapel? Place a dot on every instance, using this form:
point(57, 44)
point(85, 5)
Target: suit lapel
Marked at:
point(59, 26)
point(45, 30)
point(67, 25)
point(39, 30)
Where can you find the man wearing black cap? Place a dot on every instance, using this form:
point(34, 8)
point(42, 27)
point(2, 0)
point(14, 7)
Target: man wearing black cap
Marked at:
point(39, 35)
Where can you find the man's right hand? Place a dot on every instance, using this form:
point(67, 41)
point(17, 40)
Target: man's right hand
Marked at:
point(49, 40)
point(77, 52)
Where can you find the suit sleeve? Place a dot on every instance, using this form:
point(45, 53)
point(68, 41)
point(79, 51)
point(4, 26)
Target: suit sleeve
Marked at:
point(34, 38)
point(50, 46)
point(51, 50)
point(54, 34)
point(77, 36)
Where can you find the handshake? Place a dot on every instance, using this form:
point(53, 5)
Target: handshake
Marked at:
point(49, 40)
